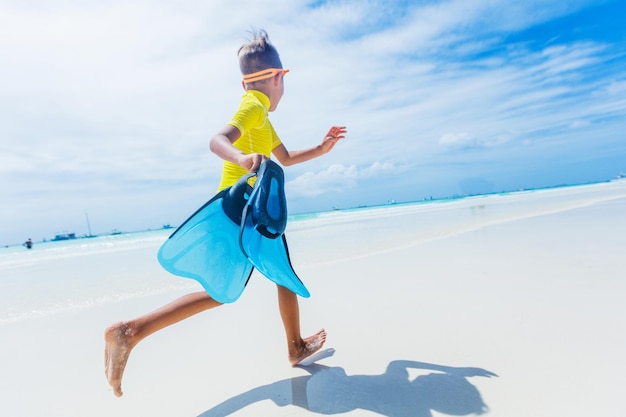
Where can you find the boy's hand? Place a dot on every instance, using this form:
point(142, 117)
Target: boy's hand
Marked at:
point(252, 162)
point(332, 137)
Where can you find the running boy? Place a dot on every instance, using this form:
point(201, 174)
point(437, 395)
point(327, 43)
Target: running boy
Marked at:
point(244, 143)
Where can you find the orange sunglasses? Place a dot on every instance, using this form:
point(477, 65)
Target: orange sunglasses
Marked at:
point(263, 74)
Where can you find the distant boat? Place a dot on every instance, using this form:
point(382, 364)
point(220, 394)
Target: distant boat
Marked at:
point(64, 236)
point(88, 226)
point(115, 232)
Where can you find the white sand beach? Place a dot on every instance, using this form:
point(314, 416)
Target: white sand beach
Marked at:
point(503, 305)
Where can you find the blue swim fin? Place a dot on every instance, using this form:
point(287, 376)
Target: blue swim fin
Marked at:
point(263, 224)
point(206, 246)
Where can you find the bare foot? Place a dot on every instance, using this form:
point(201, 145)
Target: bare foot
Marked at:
point(118, 344)
point(309, 346)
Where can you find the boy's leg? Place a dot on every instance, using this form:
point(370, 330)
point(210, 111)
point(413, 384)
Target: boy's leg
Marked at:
point(120, 338)
point(298, 348)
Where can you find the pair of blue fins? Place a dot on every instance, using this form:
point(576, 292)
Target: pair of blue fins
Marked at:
point(239, 229)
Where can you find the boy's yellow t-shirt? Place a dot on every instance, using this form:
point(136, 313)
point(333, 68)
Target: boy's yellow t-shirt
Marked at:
point(257, 133)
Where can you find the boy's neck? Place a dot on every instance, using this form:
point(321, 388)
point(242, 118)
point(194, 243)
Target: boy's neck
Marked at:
point(267, 91)
point(259, 88)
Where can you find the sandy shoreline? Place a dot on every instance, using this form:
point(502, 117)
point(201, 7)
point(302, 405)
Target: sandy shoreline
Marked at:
point(506, 306)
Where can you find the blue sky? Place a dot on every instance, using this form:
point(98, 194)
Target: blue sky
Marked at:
point(107, 107)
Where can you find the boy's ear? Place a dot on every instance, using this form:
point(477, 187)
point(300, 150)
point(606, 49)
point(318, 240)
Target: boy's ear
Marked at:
point(243, 84)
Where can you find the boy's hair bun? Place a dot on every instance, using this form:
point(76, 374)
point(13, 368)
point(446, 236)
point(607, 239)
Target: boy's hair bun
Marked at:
point(258, 54)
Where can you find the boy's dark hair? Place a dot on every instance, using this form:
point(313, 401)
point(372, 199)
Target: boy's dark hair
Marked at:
point(258, 54)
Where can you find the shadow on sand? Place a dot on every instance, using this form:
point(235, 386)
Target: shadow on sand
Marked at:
point(328, 390)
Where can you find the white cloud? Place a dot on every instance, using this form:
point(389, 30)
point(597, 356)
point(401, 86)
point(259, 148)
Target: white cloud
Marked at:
point(577, 124)
point(459, 140)
point(617, 87)
point(464, 140)
point(334, 179)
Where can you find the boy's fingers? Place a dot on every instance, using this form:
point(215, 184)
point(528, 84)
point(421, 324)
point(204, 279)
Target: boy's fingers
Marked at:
point(257, 160)
point(337, 132)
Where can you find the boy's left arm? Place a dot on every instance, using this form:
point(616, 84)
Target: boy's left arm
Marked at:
point(287, 158)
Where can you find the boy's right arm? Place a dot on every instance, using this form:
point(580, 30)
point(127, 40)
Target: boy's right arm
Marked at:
point(221, 144)
point(288, 158)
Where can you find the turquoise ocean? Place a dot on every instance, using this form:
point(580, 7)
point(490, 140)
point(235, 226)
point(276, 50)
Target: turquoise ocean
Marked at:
point(60, 276)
